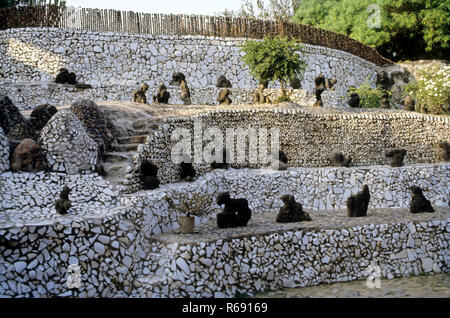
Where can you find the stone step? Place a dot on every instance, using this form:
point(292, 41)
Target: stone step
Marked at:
point(132, 139)
point(125, 147)
point(115, 169)
point(118, 156)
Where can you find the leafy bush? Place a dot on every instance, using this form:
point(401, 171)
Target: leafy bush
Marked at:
point(274, 59)
point(431, 90)
point(283, 98)
point(370, 97)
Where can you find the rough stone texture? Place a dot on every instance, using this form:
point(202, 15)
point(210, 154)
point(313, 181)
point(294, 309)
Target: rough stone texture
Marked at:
point(115, 64)
point(41, 115)
point(9, 114)
point(314, 134)
point(67, 145)
point(94, 121)
point(4, 152)
point(21, 131)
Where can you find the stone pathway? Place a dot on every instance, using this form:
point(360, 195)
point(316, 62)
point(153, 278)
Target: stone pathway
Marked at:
point(428, 286)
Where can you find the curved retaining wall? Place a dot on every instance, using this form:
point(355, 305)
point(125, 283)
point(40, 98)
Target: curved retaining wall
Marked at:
point(116, 64)
point(307, 139)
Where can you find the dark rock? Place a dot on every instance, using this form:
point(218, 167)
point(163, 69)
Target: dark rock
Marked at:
point(22, 131)
point(235, 213)
point(354, 100)
point(224, 97)
point(83, 86)
point(295, 83)
point(384, 81)
point(64, 77)
point(291, 211)
point(185, 94)
point(318, 94)
point(357, 204)
point(162, 97)
point(28, 156)
point(9, 114)
point(177, 78)
point(384, 101)
point(186, 170)
point(139, 96)
point(409, 104)
point(445, 146)
point(339, 160)
point(41, 115)
point(222, 82)
point(63, 204)
point(397, 155)
point(419, 204)
point(149, 175)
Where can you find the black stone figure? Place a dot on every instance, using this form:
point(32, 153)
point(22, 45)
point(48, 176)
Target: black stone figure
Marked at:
point(419, 204)
point(235, 213)
point(397, 155)
point(63, 204)
point(149, 174)
point(357, 204)
point(291, 211)
point(339, 160)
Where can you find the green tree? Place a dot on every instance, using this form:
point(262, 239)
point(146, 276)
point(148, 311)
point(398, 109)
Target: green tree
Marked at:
point(407, 28)
point(274, 59)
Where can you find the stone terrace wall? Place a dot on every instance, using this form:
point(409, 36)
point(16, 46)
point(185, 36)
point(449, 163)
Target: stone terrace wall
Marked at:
point(307, 139)
point(114, 62)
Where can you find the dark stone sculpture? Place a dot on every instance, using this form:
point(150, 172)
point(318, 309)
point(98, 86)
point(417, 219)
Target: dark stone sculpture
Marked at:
point(329, 83)
point(9, 114)
point(419, 204)
point(222, 82)
point(235, 213)
point(149, 175)
point(384, 101)
point(187, 171)
point(397, 155)
point(279, 160)
point(295, 83)
point(339, 160)
point(21, 131)
point(354, 100)
point(357, 204)
point(291, 211)
point(223, 164)
point(28, 156)
point(139, 95)
point(41, 115)
point(445, 146)
point(409, 104)
point(63, 204)
point(384, 81)
point(224, 98)
point(64, 77)
point(180, 79)
point(162, 97)
point(319, 88)
point(177, 78)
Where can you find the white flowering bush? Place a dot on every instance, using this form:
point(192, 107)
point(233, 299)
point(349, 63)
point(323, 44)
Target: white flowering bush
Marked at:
point(431, 90)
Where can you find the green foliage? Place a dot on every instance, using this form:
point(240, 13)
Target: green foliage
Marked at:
point(410, 28)
point(274, 59)
point(369, 97)
point(431, 90)
point(283, 98)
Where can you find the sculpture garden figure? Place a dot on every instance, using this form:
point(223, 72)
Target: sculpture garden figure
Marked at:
point(235, 213)
point(186, 170)
point(339, 160)
point(149, 175)
point(224, 97)
point(319, 88)
point(384, 101)
point(139, 95)
point(354, 100)
point(259, 97)
point(291, 211)
point(409, 104)
point(397, 155)
point(63, 204)
point(180, 79)
point(358, 204)
point(419, 204)
point(64, 77)
point(445, 146)
point(222, 82)
point(162, 97)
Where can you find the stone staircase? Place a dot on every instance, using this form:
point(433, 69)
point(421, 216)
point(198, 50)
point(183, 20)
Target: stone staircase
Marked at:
point(119, 157)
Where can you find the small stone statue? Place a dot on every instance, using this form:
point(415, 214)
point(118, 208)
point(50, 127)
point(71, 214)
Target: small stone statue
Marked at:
point(139, 95)
point(295, 83)
point(445, 146)
point(384, 101)
point(329, 83)
point(339, 160)
point(419, 204)
point(235, 213)
point(384, 81)
point(162, 97)
point(222, 82)
point(319, 88)
point(187, 171)
point(354, 100)
point(409, 104)
point(63, 204)
point(397, 156)
point(318, 94)
point(149, 174)
point(180, 79)
point(259, 97)
point(357, 204)
point(224, 98)
point(279, 160)
point(64, 77)
point(291, 211)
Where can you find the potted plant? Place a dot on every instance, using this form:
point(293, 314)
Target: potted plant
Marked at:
point(192, 206)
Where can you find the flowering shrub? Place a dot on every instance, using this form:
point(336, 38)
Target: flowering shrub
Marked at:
point(369, 97)
point(431, 90)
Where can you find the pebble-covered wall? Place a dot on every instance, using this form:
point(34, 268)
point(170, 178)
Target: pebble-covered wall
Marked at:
point(306, 138)
point(4, 152)
point(120, 62)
